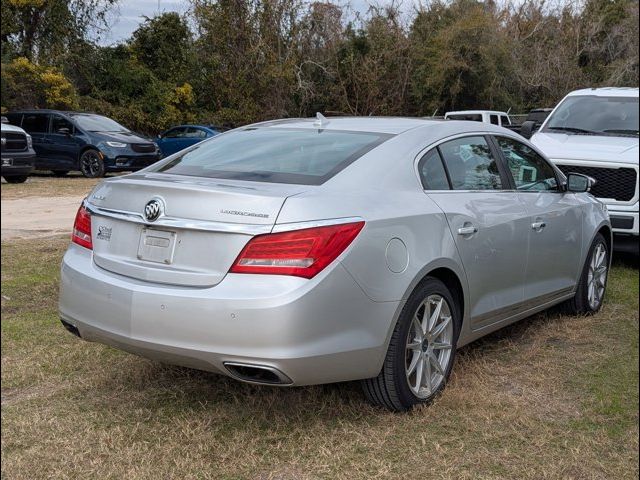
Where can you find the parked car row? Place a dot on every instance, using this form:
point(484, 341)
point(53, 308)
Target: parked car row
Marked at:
point(93, 144)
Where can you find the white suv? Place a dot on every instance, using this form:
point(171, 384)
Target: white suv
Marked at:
point(595, 132)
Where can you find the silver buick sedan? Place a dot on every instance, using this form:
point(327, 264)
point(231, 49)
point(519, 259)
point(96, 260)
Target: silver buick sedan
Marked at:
point(308, 251)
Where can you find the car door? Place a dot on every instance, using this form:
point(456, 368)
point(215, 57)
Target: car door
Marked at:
point(555, 222)
point(488, 223)
point(37, 125)
point(64, 145)
point(170, 142)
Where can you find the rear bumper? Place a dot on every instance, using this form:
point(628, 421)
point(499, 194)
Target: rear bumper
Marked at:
point(313, 331)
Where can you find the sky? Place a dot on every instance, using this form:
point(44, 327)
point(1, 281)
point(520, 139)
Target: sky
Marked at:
point(130, 13)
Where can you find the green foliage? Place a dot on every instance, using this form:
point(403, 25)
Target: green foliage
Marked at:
point(27, 85)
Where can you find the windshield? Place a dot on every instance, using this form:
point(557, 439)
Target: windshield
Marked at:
point(591, 115)
point(98, 123)
point(278, 155)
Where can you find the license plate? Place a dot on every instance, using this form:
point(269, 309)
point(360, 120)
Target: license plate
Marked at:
point(7, 162)
point(156, 246)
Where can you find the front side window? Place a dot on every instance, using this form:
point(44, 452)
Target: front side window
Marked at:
point(432, 172)
point(494, 119)
point(470, 164)
point(35, 122)
point(530, 171)
point(278, 155)
point(504, 120)
point(593, 115)
point(58, 122)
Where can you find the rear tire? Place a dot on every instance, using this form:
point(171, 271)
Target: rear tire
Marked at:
point(593, 280)
point(421, 353)
point(91, 164)
point(16, 179)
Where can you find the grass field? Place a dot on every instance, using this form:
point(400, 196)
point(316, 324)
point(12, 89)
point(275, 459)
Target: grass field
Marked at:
point(550, 397)
point(47, 185)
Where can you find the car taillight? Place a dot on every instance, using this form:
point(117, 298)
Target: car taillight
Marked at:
point(82, 228)
point(301, 253)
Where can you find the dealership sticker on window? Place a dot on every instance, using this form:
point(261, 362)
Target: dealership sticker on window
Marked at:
point(104, 233)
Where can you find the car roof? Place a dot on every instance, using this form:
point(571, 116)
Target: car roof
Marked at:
point(606, 92)
point(388, 125)
point(475, 112)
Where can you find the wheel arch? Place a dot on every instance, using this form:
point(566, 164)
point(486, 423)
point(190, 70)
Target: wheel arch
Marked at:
point(448, 273)
point(83, 149)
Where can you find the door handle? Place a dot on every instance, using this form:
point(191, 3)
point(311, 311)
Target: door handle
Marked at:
point(537, 226)
point(468, 230)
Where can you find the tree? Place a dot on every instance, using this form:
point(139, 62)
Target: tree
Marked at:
point(42, 30)
point(163, 44)
point(27, 85)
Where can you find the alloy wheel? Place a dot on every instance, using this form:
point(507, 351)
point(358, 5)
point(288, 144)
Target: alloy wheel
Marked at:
point(429, 345)
point(597, 276)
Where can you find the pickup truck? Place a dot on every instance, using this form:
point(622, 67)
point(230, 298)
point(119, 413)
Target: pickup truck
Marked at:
point(18, 155)
point(594, 132)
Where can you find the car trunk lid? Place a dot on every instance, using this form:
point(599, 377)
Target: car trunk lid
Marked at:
point(202, 227)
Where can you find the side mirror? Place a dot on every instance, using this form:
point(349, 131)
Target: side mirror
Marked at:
point(64, 131)
point(528, 128)
point(576, 182)
point(159, 136)
point(4, 119)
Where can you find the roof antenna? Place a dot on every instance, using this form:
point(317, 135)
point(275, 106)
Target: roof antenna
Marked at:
point(321, 120)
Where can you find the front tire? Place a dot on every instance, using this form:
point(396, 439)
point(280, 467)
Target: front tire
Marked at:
point(593, 280)
point(421, 351)
point(16, 179)
point(91, 164)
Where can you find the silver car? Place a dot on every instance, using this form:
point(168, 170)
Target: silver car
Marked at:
point(310, 251)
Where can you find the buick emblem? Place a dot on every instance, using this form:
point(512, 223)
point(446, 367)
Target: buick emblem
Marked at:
point(152, 210)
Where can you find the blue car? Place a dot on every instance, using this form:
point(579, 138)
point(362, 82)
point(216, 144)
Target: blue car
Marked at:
point(94, 144)
point(183, 136)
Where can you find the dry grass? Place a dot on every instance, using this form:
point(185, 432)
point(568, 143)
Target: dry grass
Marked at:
point(47, 185)
point(550, 397)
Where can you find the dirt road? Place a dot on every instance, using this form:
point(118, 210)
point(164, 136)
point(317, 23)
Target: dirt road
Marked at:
point(38, 216)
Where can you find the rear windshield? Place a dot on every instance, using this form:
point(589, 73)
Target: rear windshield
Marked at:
point(276, 155)
point(473, 117)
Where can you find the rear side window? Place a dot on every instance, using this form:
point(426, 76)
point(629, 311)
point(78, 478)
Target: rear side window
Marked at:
point(176, 133)
point(277, 155)
point(470, 164)
point(193, 132)
point(432, 172)
point(35, 122)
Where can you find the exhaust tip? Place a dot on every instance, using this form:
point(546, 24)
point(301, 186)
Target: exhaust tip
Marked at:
point(259, 374)
point(70, 328)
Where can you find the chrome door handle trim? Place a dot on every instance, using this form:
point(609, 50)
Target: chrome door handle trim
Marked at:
point(538, 225)
point(467, 230)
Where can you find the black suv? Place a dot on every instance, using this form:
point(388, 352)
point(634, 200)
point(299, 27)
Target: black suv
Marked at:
point(91, 143)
